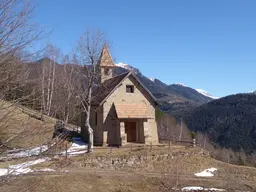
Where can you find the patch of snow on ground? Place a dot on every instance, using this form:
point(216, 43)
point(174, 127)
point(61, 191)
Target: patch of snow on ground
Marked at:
point(3, 172)
point(78, 143)
point(44, 170)
point(193, 188)
point(22, 168)
point(206, 173)
point(28, 152)
point(78, 147)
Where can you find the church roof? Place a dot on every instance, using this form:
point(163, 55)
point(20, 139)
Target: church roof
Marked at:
point(110, 85)
point(106, 88)
point(105, 58)
point(132, 111)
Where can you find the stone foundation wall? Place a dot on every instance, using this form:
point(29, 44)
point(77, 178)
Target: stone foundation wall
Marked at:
point(136, 162)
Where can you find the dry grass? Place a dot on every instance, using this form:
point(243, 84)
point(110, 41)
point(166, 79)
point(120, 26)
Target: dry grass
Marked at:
point(23, 124)
point(80, 183)
point(177, 172)
point(111, 182)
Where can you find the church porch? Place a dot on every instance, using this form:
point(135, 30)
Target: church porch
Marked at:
point(133, 120)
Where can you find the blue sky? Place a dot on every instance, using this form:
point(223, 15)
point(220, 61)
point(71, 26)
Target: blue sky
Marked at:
point(203, 44)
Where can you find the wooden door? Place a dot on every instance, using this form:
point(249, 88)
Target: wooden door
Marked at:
point(130, 130)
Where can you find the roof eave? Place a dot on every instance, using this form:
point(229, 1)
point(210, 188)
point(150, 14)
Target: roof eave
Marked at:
point(103, 101)
point(137, 79)
point(144, 87)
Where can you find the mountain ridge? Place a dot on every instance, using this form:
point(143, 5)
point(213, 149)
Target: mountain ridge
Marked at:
point(229, 121)
point(174, 99)
point(172, 88)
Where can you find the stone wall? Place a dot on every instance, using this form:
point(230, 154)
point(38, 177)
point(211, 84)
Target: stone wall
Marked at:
point(135, 162)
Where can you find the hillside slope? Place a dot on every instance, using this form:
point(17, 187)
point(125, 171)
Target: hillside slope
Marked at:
point(138, 169)
point(174, 99)
point(23, 127)
point(168, 93)
point(229, 122)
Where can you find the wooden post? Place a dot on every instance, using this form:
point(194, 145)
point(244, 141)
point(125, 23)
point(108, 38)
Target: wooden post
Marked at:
point(194, 142)
point(66, 150)
point(56, 145)
point(40, 150)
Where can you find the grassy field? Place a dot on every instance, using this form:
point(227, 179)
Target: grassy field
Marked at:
point(73, 175)
point(23, 127)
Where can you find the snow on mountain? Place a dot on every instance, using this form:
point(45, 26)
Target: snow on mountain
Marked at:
point(128, 67)
point(152, 79)
point(203, 92)
point(158, 83)
point(180, 84)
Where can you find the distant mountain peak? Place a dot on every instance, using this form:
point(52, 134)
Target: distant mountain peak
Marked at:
point(153, 79)
point(205, 93)
point(176, 93)
point(179, 84)
point(128, 67)
point(254, 92)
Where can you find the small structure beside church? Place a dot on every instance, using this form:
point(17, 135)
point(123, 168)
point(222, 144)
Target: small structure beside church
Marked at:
point(123, 109)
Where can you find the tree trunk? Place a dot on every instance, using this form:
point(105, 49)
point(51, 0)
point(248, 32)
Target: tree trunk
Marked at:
point(181, 130)
point(52, 86)
point(66, 114)
point(87, 122)
point(48, 88)
point(43, 87)
point(90, 133)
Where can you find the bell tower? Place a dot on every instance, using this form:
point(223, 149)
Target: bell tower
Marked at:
point(106, 65)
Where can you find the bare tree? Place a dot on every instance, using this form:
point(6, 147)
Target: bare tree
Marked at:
point(88, 52)
point(48, 78)
point(17, 34)
point(68, 86)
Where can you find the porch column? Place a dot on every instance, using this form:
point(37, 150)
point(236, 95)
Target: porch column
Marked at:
point(123, 134)
point(147, 133)
point(137, 131)
point(105, 138)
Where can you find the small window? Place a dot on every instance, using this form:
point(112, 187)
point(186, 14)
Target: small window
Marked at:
point(106, 71)
point(129, 89)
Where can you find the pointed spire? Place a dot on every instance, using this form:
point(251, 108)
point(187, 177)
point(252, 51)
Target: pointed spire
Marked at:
point(105, 58)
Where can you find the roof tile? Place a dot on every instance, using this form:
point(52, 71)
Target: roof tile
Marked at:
point(132, 111)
